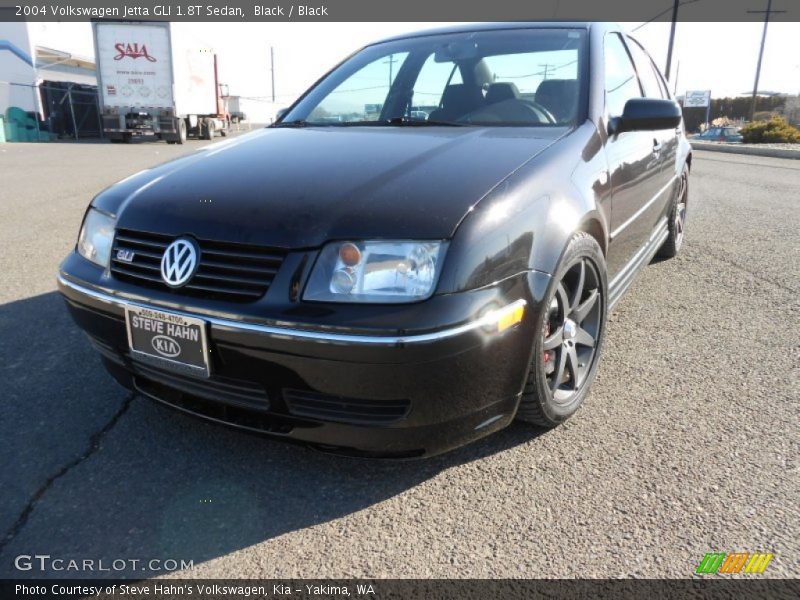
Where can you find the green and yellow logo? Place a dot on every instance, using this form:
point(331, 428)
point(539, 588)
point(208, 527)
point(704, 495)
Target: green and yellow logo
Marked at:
point(740, 562)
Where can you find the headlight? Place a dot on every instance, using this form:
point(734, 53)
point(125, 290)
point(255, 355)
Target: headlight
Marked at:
point(379, 272)
point(97, 234)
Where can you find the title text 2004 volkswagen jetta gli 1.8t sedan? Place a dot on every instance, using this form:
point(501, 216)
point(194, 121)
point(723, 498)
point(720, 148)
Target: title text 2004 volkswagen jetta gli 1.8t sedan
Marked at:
point(424, 247)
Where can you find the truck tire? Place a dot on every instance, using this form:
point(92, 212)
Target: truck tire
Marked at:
point(208, 129)
point(181, 128)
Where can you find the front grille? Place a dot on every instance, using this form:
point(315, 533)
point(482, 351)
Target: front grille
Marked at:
point(324, 407)
point(227, 271)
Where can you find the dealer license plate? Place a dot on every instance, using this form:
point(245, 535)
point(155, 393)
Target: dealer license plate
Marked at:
point(168, 340)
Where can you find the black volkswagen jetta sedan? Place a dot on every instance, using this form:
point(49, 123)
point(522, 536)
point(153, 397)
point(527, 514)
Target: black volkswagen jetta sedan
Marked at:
point(424, 247)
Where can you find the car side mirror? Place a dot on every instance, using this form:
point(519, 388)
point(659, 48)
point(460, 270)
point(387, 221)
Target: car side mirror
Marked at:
point(280, 114)
point(646, 114)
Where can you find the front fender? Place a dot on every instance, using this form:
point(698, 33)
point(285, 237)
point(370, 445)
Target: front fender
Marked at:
point(525, 223)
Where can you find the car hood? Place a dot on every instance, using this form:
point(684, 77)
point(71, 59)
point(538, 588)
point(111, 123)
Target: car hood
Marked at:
point(297, 188)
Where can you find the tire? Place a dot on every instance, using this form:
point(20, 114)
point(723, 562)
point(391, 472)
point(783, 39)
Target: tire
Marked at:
point(208, 129)
point(223, 132)
point(115, 140)
point(127, 138)
point(181, 127)
point(569, 336)
point(677, 219)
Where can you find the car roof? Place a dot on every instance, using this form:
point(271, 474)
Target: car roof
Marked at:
point(470, 27)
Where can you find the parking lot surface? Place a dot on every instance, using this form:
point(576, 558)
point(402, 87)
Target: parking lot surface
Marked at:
point(687, 444)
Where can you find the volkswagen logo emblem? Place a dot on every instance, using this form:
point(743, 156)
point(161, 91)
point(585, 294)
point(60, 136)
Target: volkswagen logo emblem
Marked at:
point(179, 262)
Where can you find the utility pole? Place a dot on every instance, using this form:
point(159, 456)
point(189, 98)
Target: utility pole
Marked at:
point(272, 70)
point(766, 14)
point(672, 36)
point(546, 69)
point(390, 61)
point(677, 73)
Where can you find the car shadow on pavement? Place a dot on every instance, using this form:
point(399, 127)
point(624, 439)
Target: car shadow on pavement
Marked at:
point(109, 475)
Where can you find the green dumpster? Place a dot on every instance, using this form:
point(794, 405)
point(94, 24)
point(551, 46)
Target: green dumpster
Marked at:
point(11, 131)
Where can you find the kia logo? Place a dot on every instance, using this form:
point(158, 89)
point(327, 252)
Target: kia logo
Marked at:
point(179, 262)
point(165, 346)
point(132, 51)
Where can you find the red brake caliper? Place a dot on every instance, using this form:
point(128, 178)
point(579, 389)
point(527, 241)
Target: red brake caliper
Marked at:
point(546, 356)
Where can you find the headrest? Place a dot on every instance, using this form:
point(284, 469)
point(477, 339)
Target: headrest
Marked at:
point(498, 92)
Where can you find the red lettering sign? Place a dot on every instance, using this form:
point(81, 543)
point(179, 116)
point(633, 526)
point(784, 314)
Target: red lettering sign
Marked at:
point(132, 51)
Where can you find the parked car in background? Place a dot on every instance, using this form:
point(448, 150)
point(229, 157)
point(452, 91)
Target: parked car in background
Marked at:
point(380, 284)
point(720, 134)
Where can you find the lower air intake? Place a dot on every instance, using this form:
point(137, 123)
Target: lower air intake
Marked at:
point(323, 407)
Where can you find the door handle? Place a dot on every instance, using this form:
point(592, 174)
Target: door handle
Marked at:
point(656, 147)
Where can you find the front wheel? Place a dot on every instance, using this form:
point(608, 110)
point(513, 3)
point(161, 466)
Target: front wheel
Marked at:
point(569, 336)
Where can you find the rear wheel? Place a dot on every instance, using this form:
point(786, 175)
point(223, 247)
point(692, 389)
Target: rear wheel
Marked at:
point(208, 129)
point(569, 336)
point(677, 219)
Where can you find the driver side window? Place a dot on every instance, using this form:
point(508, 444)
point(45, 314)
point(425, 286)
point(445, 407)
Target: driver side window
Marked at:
point(621, 83)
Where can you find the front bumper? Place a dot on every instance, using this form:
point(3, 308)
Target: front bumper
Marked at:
point(388, 393)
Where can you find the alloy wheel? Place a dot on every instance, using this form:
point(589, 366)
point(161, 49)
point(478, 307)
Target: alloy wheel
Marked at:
point(680, 212)
point(571, 330)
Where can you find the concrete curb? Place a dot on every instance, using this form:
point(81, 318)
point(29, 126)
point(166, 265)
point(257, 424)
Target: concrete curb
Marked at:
point(733, 149)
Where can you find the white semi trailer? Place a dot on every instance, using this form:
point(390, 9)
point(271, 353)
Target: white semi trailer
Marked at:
point(152, 80)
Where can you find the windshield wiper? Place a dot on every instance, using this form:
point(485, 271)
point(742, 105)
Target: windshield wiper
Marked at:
point(299, 123)
point(407, 122)
point(395, 122)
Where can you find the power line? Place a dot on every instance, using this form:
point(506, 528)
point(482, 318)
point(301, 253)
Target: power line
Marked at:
point(662, 13)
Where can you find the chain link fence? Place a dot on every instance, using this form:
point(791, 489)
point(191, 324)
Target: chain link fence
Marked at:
point(51, 110)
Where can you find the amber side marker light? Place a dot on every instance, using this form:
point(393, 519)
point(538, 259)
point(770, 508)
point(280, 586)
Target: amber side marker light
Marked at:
point(499, 319)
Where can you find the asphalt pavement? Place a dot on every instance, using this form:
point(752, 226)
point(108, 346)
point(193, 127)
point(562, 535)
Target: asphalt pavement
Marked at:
point(687, 444)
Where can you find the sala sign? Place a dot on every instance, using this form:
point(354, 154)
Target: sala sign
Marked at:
point(132, 51)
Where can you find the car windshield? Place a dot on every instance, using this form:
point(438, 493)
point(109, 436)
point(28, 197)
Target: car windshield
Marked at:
point(519, 77)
